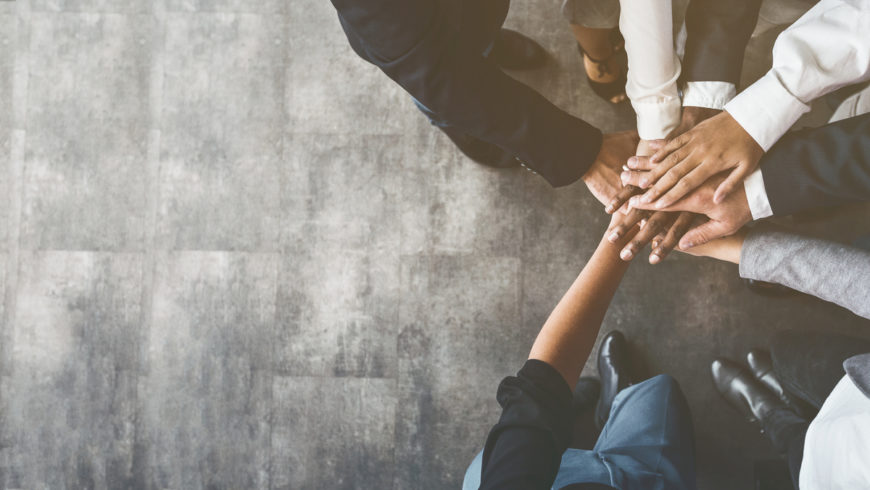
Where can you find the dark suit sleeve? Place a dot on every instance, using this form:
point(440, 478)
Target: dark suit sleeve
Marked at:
point(718, 31)
point(413, 43)
point(819, 167)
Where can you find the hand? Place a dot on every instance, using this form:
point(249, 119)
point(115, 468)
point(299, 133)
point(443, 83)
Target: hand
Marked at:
point(602, 178)
point(727, 248)
point(663, 228)
point(724, 219)
point(687, 161)
point(690, 118)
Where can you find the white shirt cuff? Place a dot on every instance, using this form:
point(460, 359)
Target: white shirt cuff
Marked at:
point(656, 120)
point(759, 205)
point(766, 110)
point(712, 95)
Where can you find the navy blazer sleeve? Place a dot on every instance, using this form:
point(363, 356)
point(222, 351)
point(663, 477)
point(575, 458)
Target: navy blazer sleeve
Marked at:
point(717, 34)
point(819, 167)
point(415, 45)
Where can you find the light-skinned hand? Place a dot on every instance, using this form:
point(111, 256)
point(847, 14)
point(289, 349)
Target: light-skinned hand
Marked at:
point(724, 218)
point(684, 163)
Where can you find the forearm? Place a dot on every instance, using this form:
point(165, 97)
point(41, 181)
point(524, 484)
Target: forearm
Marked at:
point(828, 270)
point(567, 337)
point(653, 66)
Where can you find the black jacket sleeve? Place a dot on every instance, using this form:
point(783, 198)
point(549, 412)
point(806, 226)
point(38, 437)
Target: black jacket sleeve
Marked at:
point(523, 451)
point(416, 46)
point(718, 32)
point(819, 167)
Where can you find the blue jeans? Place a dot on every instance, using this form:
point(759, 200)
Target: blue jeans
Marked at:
point(648, 443)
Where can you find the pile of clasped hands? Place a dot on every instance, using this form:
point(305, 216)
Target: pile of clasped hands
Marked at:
point(684, 191)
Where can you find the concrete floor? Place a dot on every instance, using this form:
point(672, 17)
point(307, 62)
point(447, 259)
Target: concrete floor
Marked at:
point(233, 255)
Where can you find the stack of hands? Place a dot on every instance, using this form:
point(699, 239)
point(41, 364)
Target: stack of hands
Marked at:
point(685, 191)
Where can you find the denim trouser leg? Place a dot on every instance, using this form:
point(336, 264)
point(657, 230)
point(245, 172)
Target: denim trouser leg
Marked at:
point(647, 443)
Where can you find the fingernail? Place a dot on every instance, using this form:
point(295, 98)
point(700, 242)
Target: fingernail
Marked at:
point(660, 204)
point(624, 176)
point(685, 245)
point(643, 182)
point(614, 236)
point(646, 198)
point(626, 254)
point(717, 199)
point(655, 244)
point(625, 167)
point(654, 258)
point(632, 162)
point(609, 208)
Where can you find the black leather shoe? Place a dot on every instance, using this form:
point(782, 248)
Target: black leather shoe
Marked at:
point(767, 288)
point(613, 371)
point(480, 151)
point(761, 365)
point(513, 51)
point(585, 394)
point(743, 392)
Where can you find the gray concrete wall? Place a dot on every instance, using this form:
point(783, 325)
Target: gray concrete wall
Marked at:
point(233, 255)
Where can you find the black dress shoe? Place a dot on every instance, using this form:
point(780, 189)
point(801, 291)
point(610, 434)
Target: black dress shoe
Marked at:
point(767, 288)
point(585, 394)
point(480, 151)
point(743, 392)
point(613, 371)
point(513, 51)
point(761, 365)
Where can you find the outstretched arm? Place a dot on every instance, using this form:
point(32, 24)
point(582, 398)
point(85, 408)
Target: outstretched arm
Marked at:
point(524, 449)
point(828, 270)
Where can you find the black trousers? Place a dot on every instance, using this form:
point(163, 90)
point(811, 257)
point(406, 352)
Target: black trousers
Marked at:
point(809, 365)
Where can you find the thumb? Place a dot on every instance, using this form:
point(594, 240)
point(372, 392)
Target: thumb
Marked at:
point(703, 233)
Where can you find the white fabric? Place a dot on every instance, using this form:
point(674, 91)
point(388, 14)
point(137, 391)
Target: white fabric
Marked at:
point(837, 445)
point(827, 48)
point(712, 95)
point(759, 204)
point(653, 66)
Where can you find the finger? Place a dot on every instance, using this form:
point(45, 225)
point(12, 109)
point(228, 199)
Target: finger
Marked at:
point(670, 147)
point(665, 182)
point(729, 184)
point(703, 234)
point(621, 198)
point(685, 185)
point(662, 248)
point(654, 225)
point(640, 163)
point(637, 179)
point(656, 145)
point(633, 217)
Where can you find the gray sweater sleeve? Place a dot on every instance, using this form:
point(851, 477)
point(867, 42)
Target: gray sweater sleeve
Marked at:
point(831, 271)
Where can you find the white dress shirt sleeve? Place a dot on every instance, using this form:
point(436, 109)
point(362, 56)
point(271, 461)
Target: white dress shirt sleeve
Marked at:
point(712, 95)
point(827, 48)
point(837, 444)
point(759, 204)
point(653, 66)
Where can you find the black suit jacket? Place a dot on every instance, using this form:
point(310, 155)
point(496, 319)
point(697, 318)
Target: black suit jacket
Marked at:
point(717, 34)
point(432, 48)
point(819, 167)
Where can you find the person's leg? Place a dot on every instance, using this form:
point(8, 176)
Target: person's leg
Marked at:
point(810, 364)
point(648, 438)
point(594, 24)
